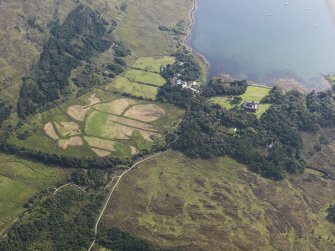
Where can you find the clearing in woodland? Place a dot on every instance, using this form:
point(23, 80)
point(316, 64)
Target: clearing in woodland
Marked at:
point(99, 124)
point(253, 93)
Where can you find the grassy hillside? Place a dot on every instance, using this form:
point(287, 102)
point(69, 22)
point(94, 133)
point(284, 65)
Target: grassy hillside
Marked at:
point(20, 180)
point(24, 28)
point(140, 27)
point(177, 202)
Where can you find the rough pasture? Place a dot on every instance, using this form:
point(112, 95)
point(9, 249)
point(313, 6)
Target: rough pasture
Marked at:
point(74, 141)
point(152, 64)
point(50, 131)
point(78, 112)
point(66, 129)
point(117, 106)
point(101, 143)
point(100, 152)
point(145, 112)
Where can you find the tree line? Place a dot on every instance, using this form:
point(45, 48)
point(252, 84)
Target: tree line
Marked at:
point(62, 160)
point(186, 68)
point(218, 87)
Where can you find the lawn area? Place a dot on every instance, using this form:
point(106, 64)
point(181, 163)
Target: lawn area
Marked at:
point(145, 77)
point(152, 64)
point(174, 201)
point(253, 93)
point(20, 180)
point(123, 85)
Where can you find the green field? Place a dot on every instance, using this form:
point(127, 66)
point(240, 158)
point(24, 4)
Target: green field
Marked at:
point(123, 85)
point(174, 201)
point(146, 77)
point(253, 93)
point(20, 180)
point(152, 64)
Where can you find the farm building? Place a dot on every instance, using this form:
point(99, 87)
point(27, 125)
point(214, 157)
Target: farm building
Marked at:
point(250, 106)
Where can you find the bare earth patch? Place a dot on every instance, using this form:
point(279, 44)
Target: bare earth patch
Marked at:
point(50, 131)
point(94, 99)
point(68, 129)
point(131, 123)
point(74, 141)
point(146, 113)
point(134, 150)
point(100, 153)
point(117, 106)
point(77, 112)
point(100, 143)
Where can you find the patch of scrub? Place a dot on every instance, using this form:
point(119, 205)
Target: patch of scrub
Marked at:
point(146, 113)
point(50, 131)
point(78, 112)
point(100, 152)
point(68, 129)
point(149, 135)
point(117, 106)
point(74, 141)
point(101, 143)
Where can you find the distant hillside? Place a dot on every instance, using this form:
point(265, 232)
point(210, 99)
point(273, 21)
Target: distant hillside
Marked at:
point(24, 30)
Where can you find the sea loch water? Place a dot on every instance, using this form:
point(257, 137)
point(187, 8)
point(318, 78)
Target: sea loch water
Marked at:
point(263, 40)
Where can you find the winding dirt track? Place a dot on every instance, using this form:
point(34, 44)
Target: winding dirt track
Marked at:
point(112, 191)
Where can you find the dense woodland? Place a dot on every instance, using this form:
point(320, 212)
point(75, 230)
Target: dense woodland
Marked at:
point(186, 68)
point(116, 239)
point(271, 145)
point(82, 35)
point(5, 111)
point(331, 214)
point(218, 87)
point(61, 222)
point(176, 95)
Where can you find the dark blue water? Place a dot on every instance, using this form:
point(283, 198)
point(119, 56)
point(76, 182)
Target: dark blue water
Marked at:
point(263, 40)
